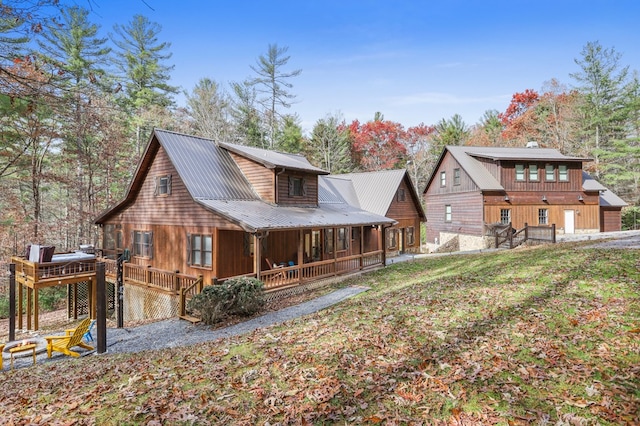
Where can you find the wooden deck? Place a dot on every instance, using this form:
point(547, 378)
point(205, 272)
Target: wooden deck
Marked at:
point(34, 276)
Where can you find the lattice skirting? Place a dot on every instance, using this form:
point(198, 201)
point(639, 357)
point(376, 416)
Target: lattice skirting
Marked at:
point(142, 303)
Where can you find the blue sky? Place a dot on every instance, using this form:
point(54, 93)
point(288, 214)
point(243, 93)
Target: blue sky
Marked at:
point(414, 61)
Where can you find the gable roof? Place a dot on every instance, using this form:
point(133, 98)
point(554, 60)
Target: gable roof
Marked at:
point(274, 159)
point(375, 191)
point(467, 156)
point(214, 180)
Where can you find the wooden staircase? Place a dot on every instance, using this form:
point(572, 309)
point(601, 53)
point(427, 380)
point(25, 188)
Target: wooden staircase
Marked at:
point(186, 294)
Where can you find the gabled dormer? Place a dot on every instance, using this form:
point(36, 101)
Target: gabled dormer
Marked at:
point(278, 178)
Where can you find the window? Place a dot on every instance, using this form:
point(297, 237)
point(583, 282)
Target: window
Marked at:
point(533, 172)
point(296, 186)
point(505, 216)
point(549, 173)
point(519, 172)
point(143, 243)
point(163, 185)
point(456, 176)
point(447, 213)
point(543, 216)
point(563, 173)
point(401, 194)
point(328, 240)
point(411, 238)
point(201, 250)
point(343, 243)
point(391, 238)
point(443, 178)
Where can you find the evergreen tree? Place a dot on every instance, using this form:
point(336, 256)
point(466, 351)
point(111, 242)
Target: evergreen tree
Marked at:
point(210, 111)
point(330, 146)
point(141, 61)
point(273, 84)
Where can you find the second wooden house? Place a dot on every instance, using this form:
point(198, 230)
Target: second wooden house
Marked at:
point(472, 188)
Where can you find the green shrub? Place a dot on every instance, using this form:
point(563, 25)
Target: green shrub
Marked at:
point(237, 296)
point(631, 218)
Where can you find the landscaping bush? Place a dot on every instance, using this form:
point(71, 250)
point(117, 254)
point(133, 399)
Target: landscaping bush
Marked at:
point(237, 296)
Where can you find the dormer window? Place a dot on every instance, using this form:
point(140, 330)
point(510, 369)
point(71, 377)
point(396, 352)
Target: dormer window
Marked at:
point(296, 186)
point(533, 172)
point(519, 172)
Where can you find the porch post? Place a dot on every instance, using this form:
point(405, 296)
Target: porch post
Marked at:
point(257, 255)
point(361, 247)
point(383, 237)
point(300, 253)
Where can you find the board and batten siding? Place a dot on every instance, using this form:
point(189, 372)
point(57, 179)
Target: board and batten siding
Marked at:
point(508, 177)
point(466, 214)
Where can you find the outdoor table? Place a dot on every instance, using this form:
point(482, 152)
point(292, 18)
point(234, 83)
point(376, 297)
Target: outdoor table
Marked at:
point(23, 348)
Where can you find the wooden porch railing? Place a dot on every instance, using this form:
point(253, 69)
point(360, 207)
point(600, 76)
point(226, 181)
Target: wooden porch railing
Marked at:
point(514, 238)
point(192, 290)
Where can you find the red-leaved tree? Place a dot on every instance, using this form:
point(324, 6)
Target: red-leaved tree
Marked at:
point(378, 144)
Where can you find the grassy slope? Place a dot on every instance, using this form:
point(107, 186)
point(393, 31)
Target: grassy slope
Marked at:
point(547, 334)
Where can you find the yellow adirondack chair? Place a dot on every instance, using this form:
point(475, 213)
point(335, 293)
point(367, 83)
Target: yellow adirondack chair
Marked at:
point(71, 339)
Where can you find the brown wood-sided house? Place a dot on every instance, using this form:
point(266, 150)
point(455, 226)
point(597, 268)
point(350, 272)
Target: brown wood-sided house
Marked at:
point(389, 193)
point(473, 187)
point(222, 210)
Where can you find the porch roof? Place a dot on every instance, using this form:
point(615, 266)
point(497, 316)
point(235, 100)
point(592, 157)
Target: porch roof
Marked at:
point(255, 215)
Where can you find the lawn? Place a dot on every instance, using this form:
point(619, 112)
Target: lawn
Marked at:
point(543, 335)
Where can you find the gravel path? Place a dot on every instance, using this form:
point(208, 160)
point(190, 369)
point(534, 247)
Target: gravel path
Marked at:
point(175, 332)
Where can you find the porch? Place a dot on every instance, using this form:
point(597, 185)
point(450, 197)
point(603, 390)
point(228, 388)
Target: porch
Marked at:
point(165, 293)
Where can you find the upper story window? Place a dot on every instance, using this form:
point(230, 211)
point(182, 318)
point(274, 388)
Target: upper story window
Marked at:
point(200, 250)
point(443, 178)
point(447, 213)
point(456, 176)
point(143, 244)
point(519, 172)
point(533, 172)
point(163, 185)
point(296, 186)
point(563, 173)
point(549, 173)
point(401, 194)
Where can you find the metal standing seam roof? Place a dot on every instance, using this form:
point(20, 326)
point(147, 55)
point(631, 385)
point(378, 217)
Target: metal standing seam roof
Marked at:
point(476, 171)
point(214, 180)
point(258, 215)
point(375, 190)
point(531, 154)
point(607, 198)
point(206, 170)
point(272, 159)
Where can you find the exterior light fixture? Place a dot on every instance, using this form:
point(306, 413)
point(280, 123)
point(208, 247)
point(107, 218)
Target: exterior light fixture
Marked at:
point(544, 198)
point(506, 198)
point(580, 198)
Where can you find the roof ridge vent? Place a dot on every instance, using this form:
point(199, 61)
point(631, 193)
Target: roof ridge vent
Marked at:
point(532, 144)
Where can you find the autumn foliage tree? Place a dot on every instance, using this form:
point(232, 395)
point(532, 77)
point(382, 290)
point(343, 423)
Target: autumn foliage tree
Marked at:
point(519, 118)
point(378, 144)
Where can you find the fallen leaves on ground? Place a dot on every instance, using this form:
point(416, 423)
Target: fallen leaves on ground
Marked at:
point(542, 335)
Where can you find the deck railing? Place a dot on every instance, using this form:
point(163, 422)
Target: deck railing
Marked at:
point(513, 237)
